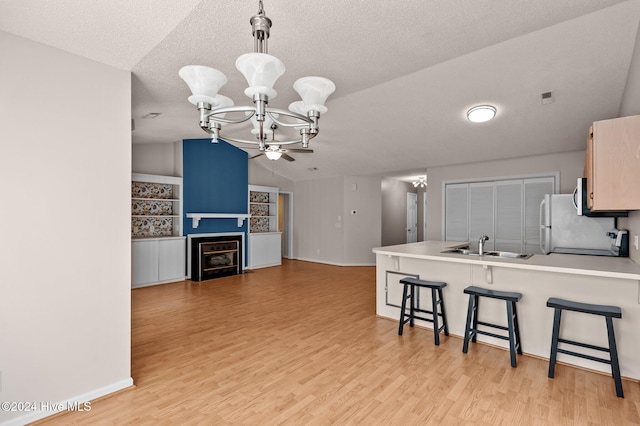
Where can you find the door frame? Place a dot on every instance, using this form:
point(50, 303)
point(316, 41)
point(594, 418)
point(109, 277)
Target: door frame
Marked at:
point(413, 198)
point(289, 196)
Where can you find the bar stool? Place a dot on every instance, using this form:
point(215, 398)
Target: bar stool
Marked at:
point(608, 312)
point(471, 329)
point(436, 299)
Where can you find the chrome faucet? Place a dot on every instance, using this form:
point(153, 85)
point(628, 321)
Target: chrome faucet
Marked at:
point(481, 242)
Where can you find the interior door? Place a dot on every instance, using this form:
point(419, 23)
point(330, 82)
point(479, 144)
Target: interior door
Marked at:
point(412, 217)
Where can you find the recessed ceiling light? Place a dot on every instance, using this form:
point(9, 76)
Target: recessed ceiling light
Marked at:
point(481, 113)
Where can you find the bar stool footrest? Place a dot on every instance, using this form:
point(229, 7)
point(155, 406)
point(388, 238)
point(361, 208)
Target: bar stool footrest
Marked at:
point(583, 345)
point(487, 324)
point(585, 356)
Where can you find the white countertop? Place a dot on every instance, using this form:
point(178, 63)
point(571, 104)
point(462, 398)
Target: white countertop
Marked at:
point(603, 266)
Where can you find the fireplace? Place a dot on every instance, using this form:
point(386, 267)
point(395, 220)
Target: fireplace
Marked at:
point(214, 256)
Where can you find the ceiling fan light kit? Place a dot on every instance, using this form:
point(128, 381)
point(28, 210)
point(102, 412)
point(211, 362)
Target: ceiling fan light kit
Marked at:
point(273, 152)
point(421, 182)
point(261, 71)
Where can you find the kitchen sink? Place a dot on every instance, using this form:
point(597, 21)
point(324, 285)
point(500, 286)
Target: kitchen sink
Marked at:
point(508, 254)
point(504, 254)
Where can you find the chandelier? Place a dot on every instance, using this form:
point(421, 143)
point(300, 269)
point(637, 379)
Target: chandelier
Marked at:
point(421, 182)
point(261, 71)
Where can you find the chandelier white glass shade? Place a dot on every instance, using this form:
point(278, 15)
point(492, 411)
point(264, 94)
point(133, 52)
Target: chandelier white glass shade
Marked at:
point(261, 72)
point(421, 182)
point(481, 113)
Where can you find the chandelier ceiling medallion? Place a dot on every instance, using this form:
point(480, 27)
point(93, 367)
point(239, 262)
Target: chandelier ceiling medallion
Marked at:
point(261, 71)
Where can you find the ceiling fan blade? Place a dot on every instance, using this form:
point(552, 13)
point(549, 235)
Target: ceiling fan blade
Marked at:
point(308, 151)
point(287, 157)
point(257, 155)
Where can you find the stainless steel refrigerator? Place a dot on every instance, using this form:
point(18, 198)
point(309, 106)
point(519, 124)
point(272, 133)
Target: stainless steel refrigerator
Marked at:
point(563, 231)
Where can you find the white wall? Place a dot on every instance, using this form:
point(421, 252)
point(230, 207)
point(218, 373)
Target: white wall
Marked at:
point(325, 230)
point(258, 175)
point(163, 159)
point(65, 314)
point(362, 230)
point(569, 164)
point(394, 211)
point(317, 204)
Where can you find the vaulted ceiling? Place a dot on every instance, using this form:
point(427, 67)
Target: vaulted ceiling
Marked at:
point(406, 72)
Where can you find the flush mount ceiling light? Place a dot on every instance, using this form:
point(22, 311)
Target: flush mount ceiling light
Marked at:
point(261, 71)
point(481, 113)
point(421, 182)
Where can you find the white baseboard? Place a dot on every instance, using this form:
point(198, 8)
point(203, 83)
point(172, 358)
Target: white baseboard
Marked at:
point(71, 402)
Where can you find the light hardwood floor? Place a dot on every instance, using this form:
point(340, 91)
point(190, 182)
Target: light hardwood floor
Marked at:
point(301, 344)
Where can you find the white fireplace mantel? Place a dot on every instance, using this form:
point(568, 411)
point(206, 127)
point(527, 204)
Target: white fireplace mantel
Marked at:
point(195, 217)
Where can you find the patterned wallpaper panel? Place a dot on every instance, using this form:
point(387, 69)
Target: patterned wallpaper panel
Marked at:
point(258, 197)
point(155, 207)
point(151, 190)
point(151, 207)
point(259, 210)
point(259, 224)
point(151, 227)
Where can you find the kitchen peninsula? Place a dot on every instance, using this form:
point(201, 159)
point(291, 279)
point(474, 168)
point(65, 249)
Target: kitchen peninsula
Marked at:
point(589, 279)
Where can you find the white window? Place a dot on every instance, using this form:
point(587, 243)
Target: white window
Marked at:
point(506, 210)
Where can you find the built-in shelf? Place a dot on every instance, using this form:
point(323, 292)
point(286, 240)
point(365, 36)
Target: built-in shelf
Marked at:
point(195, 217)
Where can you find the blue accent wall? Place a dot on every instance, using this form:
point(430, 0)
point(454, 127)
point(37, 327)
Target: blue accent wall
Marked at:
point(215, 179)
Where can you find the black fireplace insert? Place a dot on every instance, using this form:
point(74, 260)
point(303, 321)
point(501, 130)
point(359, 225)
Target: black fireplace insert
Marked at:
point(215, 257)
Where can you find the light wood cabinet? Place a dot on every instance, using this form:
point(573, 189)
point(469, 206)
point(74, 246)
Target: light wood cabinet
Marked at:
point(612, 165)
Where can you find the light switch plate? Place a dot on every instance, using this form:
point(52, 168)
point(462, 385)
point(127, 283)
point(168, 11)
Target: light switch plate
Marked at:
point(635, 242)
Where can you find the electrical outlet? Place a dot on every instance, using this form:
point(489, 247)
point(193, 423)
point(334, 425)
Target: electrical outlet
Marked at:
point(635, 242)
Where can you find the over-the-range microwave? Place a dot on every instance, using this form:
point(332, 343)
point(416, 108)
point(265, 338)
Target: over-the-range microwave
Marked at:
point(580, 195)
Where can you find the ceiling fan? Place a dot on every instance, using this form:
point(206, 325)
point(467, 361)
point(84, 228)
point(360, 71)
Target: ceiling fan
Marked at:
point(274, 152)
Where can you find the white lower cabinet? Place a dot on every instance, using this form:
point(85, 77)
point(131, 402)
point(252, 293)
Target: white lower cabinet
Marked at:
point(157, 261)
point(265, 249)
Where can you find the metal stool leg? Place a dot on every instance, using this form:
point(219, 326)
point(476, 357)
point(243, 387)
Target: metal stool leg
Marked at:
point(515, 320)
point(402, 309)
point(613, 352)
point(436, 326)
point(512, 334)
point(444, 314)
point(467, 328)
point(554, 342)
point(412, 306)
point(476, 303)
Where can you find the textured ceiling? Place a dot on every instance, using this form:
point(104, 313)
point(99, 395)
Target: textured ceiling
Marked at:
point(405, 72)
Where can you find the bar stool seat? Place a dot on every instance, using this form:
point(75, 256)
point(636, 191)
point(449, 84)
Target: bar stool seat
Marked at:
point(410, 292)
point(471, 329)
point(606, 311)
